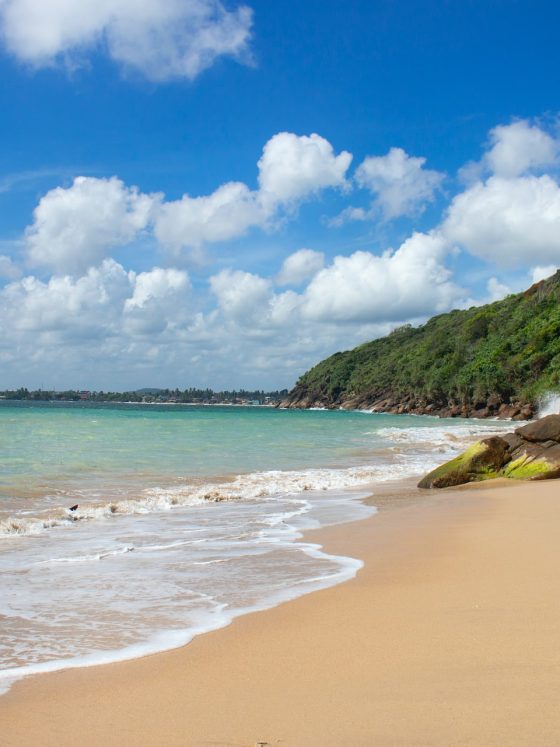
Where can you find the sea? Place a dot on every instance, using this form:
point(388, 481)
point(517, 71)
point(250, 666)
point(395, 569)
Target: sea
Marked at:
point(187, 517)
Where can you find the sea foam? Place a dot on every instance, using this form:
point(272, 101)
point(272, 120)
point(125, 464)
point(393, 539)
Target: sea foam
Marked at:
point(549, 404)
point(252, 486)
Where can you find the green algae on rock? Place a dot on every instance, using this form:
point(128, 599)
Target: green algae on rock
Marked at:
point(481, 461)
point(530, 453)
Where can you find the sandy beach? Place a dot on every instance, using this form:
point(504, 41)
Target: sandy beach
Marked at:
point(450, 635)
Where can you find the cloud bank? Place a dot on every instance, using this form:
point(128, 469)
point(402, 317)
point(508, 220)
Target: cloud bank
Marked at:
point(70, 310)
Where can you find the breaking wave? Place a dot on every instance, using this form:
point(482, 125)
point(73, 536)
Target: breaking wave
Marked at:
point(253, 486)
point(549, 404)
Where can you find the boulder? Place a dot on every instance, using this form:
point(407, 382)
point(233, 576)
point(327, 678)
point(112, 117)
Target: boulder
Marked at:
point(530, 453)
point(526, 413)
point(481, 461)
point(508, 411)
point(532, 461)
point(545, 429)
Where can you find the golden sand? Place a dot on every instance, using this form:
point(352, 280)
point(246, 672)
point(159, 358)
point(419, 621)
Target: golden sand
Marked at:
point(450, 635)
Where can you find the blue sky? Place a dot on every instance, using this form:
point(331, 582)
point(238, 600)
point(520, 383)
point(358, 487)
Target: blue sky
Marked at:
point(348, 168)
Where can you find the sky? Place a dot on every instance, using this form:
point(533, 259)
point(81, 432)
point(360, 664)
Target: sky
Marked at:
point(221, 193)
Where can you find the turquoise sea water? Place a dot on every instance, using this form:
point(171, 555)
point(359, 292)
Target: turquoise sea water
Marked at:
point(51, 444)
point(188, 516)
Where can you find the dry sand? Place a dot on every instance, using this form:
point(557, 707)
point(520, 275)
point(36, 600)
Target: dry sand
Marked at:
point(450, 635)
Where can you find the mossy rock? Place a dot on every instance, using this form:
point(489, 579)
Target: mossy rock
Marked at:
point(481, 461)
point(521, 469)
point(528, 465)
point(510, 456)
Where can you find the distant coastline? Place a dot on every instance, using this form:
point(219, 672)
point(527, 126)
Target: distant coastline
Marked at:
point(150, 396)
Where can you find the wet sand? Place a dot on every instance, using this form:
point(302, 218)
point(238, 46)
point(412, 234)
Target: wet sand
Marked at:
point(450, 635)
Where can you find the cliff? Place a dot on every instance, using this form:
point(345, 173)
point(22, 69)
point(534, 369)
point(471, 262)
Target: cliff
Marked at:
point(486, 361)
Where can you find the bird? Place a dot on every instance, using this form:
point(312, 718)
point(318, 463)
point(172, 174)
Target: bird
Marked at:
point(73, 508)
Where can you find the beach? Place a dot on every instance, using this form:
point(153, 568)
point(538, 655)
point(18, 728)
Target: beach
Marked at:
point(279, 374)
point(449, 635)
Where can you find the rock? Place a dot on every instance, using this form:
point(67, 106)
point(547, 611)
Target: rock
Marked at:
point(545, 429)
point(481, 461)
point(494, 402)
point(508, 411)
point(512, 440)
point(533, 462)
point(532, 452)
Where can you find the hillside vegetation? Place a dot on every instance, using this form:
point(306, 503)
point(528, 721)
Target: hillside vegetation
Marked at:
point(484, 361)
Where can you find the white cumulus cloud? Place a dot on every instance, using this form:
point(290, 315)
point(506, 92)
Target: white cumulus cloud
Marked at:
point(105, 304)
point(519, 147)
point(508, 221)
point(401, 183)
point(86, 308)
point(74, 228)
point(159, 301)
point(241, 295)
point(300, 266)
point(293, 167)
point(249, 307)
point(193, 221)
point(156, 284)
point(541, 273)
point(496, 290)
point(161, 39)
point(409, 283)
point(8, 268)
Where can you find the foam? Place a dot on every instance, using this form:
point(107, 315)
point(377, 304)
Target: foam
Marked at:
point(87, 558)
point(172, 639)
point(253, 486)
point(549, 404)
point(220, 616)
point(452, 437)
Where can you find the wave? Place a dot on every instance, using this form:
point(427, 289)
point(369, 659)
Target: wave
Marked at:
point(549, 404)
point(263, 485)
point(452, 437)
point(253, 486)
point(88, 558)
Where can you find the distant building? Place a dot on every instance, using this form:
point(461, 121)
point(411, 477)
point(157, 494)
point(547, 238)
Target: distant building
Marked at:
point(85, 395)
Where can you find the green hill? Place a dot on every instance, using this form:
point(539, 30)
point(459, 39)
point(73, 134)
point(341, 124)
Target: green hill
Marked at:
point(487, 360)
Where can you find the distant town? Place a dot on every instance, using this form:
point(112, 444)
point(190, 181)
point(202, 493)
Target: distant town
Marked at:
point(150, 396)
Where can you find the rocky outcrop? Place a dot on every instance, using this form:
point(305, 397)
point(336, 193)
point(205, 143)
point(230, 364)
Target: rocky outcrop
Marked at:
point(531, 452)
point(488, 361)
point(493, 407)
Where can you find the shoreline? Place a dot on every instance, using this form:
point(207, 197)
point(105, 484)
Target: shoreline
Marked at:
point(448, 635)
point(349, 567)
